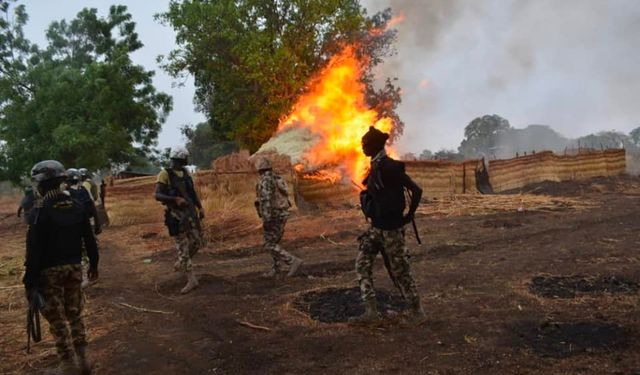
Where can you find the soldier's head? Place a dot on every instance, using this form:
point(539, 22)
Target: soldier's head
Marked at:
point(179, 157)
point(48, 175)
point(83, 174)
point(73, 176)
point(263, 164)
point(373, 141)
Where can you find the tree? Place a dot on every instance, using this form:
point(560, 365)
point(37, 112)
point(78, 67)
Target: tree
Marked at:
point(80, 100)
point(481, 135)
point(203, 147)
point(251, 59)
point(426, 155)
point(635, 136)
point(607, 139)
point(450, 155)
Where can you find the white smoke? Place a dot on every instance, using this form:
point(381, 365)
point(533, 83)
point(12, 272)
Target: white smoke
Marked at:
point(570, 64)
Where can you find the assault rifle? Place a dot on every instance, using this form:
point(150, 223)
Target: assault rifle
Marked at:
point(192, 211)
point(36, 303)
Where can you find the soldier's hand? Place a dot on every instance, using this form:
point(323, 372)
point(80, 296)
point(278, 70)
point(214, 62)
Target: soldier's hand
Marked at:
point(201, 214)
point(93, 274)
point(97, 230)
point(181, 202)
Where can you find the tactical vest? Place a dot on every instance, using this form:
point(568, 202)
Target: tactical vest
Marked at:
point(178, 184)
point(282, 195)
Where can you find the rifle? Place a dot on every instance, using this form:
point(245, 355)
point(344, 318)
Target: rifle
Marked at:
point(192, 211)
point(36, 303)
point(413, 220)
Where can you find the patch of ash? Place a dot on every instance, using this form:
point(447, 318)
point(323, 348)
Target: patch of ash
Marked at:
point(336, 305)
point(572, 286)
point(565, 339)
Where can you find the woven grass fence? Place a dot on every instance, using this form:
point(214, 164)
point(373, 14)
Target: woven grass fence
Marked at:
point(546, 166)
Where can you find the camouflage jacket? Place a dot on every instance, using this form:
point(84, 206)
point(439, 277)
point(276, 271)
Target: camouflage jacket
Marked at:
point(272, 199)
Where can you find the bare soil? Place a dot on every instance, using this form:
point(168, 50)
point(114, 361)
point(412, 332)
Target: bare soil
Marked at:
point(480, 278)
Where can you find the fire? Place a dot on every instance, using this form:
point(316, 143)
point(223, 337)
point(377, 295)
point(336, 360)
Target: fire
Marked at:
point(334, 109)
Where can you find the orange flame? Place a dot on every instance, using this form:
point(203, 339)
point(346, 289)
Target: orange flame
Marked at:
point(334, 109)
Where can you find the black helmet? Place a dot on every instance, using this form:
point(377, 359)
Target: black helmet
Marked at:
point(47, 170)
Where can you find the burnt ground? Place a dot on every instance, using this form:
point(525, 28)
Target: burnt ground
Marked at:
point(492, 287)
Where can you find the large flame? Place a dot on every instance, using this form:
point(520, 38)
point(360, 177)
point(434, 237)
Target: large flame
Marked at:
point(334, 109)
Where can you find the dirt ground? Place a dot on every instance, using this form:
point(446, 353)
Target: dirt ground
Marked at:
point(514, 292)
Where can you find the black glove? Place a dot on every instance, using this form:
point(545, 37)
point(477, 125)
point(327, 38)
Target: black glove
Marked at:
point(97, 229)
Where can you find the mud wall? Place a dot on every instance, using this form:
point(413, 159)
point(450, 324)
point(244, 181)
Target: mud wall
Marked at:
point(546, 166)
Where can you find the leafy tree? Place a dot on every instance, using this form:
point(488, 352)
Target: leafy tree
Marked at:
point(203, 147)
point(80, 100)
point(481, 135)
point(426, 155)
point(635, 136)
point(451, 155)
point(251, 59)
point(607, 139)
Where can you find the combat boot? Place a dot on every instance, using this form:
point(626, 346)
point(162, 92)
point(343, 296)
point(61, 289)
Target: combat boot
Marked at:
point(415, 316)
point(85, 365)
point(192, 283)
point(370, 314)
point(66, 367)
point(295, 264)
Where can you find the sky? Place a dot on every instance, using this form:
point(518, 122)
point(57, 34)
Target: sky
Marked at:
point(570, 64)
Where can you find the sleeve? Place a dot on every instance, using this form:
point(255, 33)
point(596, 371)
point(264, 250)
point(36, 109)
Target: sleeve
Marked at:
point(87, 186)
point(33, 259)
point(266, 196)
point(163, 177)
point(90, 243)
point(414, 190)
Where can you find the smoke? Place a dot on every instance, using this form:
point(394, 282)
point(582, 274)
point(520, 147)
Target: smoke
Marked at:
point(570, 64)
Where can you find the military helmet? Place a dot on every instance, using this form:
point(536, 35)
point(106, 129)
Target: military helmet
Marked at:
point(73, 174)
point(47, 170)
point(180, 153)
point(83, 172)
point(263, 164)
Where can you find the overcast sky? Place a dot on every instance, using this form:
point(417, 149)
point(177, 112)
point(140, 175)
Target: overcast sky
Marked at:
point(571, 64)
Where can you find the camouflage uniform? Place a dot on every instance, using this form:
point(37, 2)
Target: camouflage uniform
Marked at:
point(273, 209)
point(188, 239)
point(392, 242)
point(64, 301)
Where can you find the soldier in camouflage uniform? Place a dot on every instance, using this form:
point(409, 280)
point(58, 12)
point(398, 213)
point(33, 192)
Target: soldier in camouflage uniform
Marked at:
point(59, 227)
point(383, 204)
point(272, 204)
point(183, 214)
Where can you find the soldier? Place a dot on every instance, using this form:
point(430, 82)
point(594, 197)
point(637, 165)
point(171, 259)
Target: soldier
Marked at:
point(90, 185)
point(384, 203)
point(58, 228)
point(272, 204)
point(27, 203)
point(183, 214)
point(83, 196)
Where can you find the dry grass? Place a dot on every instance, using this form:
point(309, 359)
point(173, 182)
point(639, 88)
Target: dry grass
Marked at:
point(476, 204)
point(227, 201)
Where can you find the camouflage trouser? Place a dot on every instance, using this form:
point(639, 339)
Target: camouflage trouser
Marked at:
point(188, 242)
point(273, 232)
point(63, 307)
point(372, 242)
